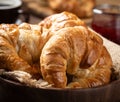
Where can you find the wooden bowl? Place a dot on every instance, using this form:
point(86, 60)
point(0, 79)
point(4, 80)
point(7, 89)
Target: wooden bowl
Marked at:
point(14, 92)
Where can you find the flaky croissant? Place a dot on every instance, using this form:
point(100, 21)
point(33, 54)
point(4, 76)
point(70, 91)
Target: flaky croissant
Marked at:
point(20, 47)
point(60, 45)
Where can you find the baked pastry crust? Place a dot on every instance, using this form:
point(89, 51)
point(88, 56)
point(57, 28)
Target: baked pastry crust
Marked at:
point(59, 45)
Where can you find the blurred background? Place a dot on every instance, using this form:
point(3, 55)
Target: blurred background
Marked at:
point(39, 9)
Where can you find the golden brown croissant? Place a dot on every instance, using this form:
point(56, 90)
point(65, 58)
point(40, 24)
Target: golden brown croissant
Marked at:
point(54, 48)
point(75, 50)
point(95, 58)
point(82, 8)
point(20, 47)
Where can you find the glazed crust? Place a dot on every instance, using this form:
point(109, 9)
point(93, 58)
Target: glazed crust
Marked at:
point(59, 45)
point(73, 50)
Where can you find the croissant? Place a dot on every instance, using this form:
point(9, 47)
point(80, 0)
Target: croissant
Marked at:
point(20, 47)
point(82, 8)
point(58, 21)
point(59, 46)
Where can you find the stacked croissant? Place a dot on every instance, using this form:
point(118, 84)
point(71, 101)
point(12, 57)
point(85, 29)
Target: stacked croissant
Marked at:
point(61, 49)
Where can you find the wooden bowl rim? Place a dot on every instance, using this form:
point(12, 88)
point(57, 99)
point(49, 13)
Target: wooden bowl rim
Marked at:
point(103, 87)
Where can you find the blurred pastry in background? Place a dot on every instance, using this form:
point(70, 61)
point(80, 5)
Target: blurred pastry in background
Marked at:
point(43, 8)
point(82, 8)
